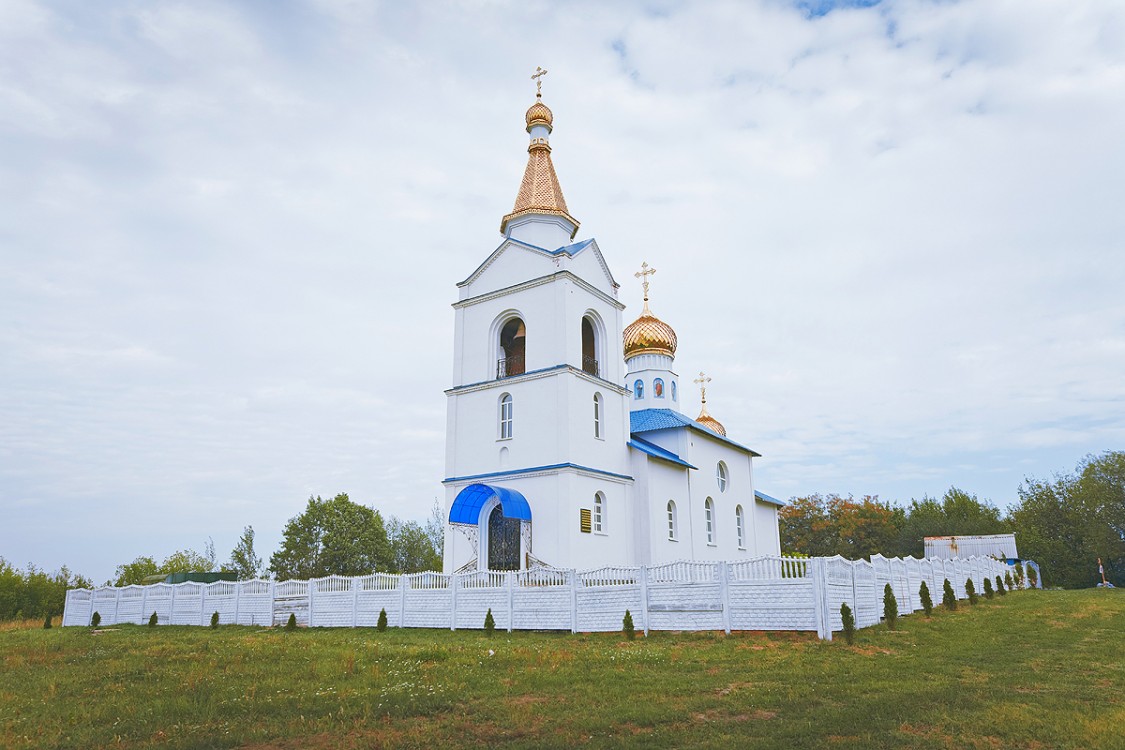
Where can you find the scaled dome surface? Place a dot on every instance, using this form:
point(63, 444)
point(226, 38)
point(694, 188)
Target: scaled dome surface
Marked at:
point(649, 334)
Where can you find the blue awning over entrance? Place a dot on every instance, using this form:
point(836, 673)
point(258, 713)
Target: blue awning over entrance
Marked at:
point(467, 506)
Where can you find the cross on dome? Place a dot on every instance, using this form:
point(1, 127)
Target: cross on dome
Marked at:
point(643, 275)
point(702, 382)
point(537, 76)
point(704, 417)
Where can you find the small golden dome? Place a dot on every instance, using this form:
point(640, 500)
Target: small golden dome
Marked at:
point(649, 334)
point(539, 114)
point(711, 423)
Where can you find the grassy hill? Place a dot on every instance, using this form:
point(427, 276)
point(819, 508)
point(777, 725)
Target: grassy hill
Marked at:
point(1035, 669)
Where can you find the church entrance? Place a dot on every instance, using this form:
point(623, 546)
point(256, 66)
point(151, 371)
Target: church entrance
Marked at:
point(503, 541)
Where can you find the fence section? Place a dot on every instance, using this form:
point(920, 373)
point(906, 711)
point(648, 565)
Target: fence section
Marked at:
point(764, 593)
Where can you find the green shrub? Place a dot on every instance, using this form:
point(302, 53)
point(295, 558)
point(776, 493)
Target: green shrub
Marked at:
point(1008, 583)
point(1019, 575)
point(489, 623)
point(1032, 576)
point(627, 626)
point(291, 624)
point(382, 624)
point(988, 592)
point(924, 597)
point(214, 619)
point(152, 620)
point(1000, 587)
point(890, 606)
point(95, 620)
point(47, 622)
point(948, 598)
point(848, 619)
point(971, 590)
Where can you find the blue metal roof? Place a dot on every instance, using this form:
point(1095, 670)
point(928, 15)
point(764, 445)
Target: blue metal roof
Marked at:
point(467, 506)
point(767, 499)
point(656, 451)
point(650, 420)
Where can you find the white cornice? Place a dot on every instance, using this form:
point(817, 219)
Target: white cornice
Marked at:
point(532, 283)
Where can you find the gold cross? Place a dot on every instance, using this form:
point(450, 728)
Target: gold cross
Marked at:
point(703, 380)
point(643, 275)
point(537, 76)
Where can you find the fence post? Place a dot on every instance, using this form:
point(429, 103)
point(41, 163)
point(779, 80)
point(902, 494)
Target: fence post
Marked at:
point(511, 581)
point(355, 601)
point(172, 606)
point(572, 578)
point(724, 593)
point(820, 598)
point(402, 584)
point(644, 598)
point(310, 587)
point(203, 604)
point(273, 602)
point(453, 581)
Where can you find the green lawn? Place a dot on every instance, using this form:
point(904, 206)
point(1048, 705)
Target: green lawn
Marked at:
point(1035, 669)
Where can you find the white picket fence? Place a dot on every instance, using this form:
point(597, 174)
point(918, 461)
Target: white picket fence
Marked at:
point(765, 593)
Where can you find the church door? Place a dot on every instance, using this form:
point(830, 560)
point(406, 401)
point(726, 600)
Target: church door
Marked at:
point(503, 541)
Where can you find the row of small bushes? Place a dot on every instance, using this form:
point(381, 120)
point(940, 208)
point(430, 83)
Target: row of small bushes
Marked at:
point(948, 599)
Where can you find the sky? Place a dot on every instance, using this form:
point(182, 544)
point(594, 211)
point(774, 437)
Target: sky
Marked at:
point(230, 233)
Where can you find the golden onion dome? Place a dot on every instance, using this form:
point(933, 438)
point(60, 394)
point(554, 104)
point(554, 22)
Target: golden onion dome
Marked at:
point(710, 422)
point(649, 334)
point(539, 114)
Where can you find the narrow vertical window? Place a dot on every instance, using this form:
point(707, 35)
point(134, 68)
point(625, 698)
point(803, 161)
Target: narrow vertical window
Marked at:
point(597, 415)
point(672, 520)
point(709, 516)
point(721, 476)
point(673, 390)
point(599, 513)
point(740, 526)
point(505, 416)
point(639, 389)
point(658, 388)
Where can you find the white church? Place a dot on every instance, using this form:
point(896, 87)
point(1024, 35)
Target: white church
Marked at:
point(566, 444)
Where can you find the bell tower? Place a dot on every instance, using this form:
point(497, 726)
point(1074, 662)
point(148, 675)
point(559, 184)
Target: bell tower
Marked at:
point(538, 423)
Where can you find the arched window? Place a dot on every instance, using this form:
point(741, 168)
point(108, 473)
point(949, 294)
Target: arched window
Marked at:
point(721, 476)
point(597, 415)
point(740, 526)
point(599, 513)
point(589, 347)
point(513, 347)
point(506, 416)
point(673, 390)
point(709, 516)
point(639, 389)
point(658, 388)
point(672, 520)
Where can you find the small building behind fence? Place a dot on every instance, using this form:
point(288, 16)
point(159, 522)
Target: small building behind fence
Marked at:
point(1002, 546)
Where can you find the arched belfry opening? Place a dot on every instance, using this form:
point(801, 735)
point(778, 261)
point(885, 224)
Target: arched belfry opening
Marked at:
point(513, 349)
point(589, 347)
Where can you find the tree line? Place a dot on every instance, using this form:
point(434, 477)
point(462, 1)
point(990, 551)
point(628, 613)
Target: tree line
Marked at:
point(1064, 524)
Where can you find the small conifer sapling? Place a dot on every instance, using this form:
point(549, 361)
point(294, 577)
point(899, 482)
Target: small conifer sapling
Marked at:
point(291, 624)
point(47, 622)
point(970, 590)
point(1032, 577)
point(1008, 580)
point(381, 625)
point(848, 621)
point(1019, 575)
point(948, 598)
point(890, 607)
point(489, 623)
point(1000, 587)
point(152, 621)
point(627, 626)
point(924, 597)
point(95, 620)
point(214, 619)
point(988, 591)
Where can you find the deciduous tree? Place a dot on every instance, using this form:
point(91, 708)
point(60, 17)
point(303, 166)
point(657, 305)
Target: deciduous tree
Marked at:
point(335, 536)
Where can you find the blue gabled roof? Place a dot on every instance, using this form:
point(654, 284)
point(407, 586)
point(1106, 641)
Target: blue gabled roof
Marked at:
point(656, 451)
point(767, 499)
point(650, 420)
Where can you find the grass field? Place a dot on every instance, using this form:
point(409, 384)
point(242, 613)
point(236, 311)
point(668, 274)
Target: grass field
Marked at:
point(1036, 669)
